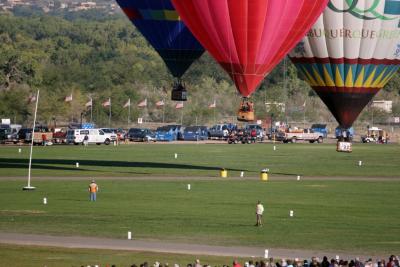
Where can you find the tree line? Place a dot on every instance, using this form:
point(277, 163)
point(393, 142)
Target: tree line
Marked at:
point(106, 57)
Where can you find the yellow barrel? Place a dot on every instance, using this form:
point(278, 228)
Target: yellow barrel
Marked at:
point(264, 176)
point(223, 173)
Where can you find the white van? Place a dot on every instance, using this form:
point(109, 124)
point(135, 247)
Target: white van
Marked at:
point(95, 136)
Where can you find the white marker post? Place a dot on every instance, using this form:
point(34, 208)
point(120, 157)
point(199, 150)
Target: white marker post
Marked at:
point(291, 213)
point(77, 164)
point(274, 148)
point(176, 155)
point(266, 254)
point(360, 163)
point(241, 174)
point(45, 201)
point(188, 186)
point(298, 177)
point(19, 150)
point(129, 235)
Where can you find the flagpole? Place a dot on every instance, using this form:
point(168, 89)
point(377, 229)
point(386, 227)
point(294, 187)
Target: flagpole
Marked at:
point(29, 187)
point(163, 111)
point(109, 118)
point(91, 110)
point(129, 111)
point(182, 117)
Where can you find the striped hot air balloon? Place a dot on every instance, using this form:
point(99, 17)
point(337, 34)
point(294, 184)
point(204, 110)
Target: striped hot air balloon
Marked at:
point(350, 54)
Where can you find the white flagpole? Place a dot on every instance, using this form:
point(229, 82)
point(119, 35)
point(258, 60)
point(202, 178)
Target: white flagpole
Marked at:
point(109, 118)
point(91, 110)
point(129, 111)
point(29, 187)
point(163, 111)
point(182, 117)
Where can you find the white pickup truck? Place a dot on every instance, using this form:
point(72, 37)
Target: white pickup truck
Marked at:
point(306, 135)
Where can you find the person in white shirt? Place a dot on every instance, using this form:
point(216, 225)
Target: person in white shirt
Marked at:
point(259, 213)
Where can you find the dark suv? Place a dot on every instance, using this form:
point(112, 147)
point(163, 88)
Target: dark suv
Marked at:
point(141, 135)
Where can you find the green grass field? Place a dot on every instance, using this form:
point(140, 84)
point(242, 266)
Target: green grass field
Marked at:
point(18, 256)
point(353, 215)
point(329, 215)
point(202, 160)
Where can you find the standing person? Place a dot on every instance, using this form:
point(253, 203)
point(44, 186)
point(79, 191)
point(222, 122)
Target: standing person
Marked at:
point(93, 188)
point(86, 140)
point(259, 213)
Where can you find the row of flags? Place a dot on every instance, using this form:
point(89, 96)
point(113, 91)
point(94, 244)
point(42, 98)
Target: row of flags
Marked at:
point(107, 103)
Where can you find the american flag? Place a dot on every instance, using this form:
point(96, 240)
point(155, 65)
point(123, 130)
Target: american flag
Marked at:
point(31, 99)
point(160, 103)
point(179, 105)
point(213, 105)
point(107, 103)
point(68, 98)
point(128, 103)
point(142, 103)
point(90, 103)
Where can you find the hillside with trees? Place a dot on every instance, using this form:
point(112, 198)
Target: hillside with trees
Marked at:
point(102, 58)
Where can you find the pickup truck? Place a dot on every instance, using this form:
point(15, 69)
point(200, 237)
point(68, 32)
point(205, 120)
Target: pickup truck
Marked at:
point(306, 135)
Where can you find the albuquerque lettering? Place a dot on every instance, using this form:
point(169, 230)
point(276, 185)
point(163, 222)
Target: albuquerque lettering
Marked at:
point(354, 34)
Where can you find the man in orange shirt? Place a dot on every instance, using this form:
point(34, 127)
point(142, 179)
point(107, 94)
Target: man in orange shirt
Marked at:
point(93, 188)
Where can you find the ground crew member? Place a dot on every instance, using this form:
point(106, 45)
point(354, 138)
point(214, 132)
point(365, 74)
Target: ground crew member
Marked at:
point(259, 213)
point(93, 188)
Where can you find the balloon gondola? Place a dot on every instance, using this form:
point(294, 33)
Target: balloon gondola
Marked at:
point(246, 111)
point(160, 24)
point(350, 53)
point(249, 38)
point(179, 92)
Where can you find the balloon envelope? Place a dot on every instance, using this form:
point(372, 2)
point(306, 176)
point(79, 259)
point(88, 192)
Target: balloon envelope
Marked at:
point(350, 54)
point(249, 37)
point(160, 24)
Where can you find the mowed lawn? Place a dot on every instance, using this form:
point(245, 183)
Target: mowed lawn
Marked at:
point(202, 160)
point(351, 216)
point(65, 257)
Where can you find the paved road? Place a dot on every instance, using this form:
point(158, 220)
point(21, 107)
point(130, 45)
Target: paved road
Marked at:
point(165, 247)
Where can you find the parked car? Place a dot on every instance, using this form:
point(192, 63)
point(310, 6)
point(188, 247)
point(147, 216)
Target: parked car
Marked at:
point(259, 130)
point(95, 136)
point(141, 135)
point(22, 134)
point(169, 133)
point(111, 132)
point(349, 133)
point(3, 135)
point(303, 134)
point(320, 128)
point(195, 133)
point(221, 131)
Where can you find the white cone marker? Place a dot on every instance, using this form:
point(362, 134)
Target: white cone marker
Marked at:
point(360, 163)
point(241, 174)
point(77, 164)
point(298, 177)
point(176, 155)
point(266, 254)
point(129, 235)
point(188, 186)
point(45, 201)
point(291, 213)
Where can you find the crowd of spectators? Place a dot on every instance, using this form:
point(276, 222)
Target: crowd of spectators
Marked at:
point(393, 261)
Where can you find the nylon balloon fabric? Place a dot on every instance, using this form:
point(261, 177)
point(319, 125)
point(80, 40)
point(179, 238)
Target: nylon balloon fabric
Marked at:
point(159, 23)
point(351, 53)
point(248, 38)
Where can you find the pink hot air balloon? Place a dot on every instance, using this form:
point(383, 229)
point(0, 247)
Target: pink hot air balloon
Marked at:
point(248, 38)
